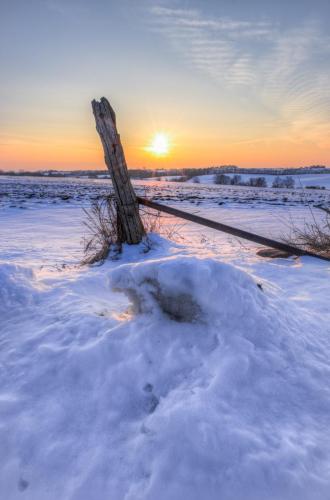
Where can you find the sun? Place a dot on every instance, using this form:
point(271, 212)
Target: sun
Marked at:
point(160, 145)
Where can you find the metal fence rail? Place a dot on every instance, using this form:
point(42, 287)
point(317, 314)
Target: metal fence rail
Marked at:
point(228, 229)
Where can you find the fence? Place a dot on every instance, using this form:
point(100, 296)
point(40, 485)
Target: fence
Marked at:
point(131, 226)
point(228, 229)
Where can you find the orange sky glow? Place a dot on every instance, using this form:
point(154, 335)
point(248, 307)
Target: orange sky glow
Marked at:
point(186, 150)
point(245, 85)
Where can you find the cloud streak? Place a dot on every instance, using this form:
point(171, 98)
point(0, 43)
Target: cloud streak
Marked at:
point(66, 8)
point(284, 68)
point(211, 45)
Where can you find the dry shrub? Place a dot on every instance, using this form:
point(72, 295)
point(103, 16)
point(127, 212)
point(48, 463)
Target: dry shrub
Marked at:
point(313, 237)
point(102, 225)
point(151, 220)
point(104, 239)
point(154, 222)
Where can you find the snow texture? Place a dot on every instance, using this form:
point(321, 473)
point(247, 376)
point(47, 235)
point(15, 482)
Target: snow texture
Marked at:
point(230, 399)
point(16, 290)
point(161, 375)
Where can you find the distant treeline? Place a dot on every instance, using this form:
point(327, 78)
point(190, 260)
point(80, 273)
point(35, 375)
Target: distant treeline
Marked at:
point(188, 173)
point(56, 173)
point(311, 169)
point(135, 173)
point(278, 182)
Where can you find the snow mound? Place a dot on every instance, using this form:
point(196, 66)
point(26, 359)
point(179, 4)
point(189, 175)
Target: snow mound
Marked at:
point(189, 289)
point(210, 391)
point(15, 286)
point(230, 378)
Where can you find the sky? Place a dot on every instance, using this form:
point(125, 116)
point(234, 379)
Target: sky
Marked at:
point(244, 82)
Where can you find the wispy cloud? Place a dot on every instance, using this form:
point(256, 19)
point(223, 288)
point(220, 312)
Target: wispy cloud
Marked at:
point(192, 18)
point(212, 45)
point(285, 68)
point(294, 80)
point(66, 8)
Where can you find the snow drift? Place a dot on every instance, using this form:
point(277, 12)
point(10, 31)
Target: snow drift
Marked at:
point(189, 289)
point(15, 287)
point(208, 389)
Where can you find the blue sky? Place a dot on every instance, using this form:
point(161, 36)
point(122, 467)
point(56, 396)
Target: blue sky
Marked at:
point(231, 81)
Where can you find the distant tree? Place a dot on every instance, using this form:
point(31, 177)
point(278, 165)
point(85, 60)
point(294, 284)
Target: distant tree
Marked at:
point(236, 180)
point(289, 182)
point(221, 179)
point(257, 182)
point(283, 182)
point(276, 182)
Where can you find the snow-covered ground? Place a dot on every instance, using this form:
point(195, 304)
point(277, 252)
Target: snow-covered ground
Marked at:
point(301, 181)
point(194, 370)
point(31, 191)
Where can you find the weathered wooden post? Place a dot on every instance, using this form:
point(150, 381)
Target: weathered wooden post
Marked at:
point(131, 229)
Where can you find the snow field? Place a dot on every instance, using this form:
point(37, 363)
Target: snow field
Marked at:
point(109, 397)
point(161, 375)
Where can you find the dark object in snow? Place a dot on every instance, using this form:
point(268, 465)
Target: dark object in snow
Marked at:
point(273, 253)
point(22, 484)
point(151, 401)
point(151, 404)
point(179, 307)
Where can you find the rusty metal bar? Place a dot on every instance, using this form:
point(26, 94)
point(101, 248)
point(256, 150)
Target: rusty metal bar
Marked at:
point(240, 233)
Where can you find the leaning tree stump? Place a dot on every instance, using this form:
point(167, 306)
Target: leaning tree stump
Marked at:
point(131, 226)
